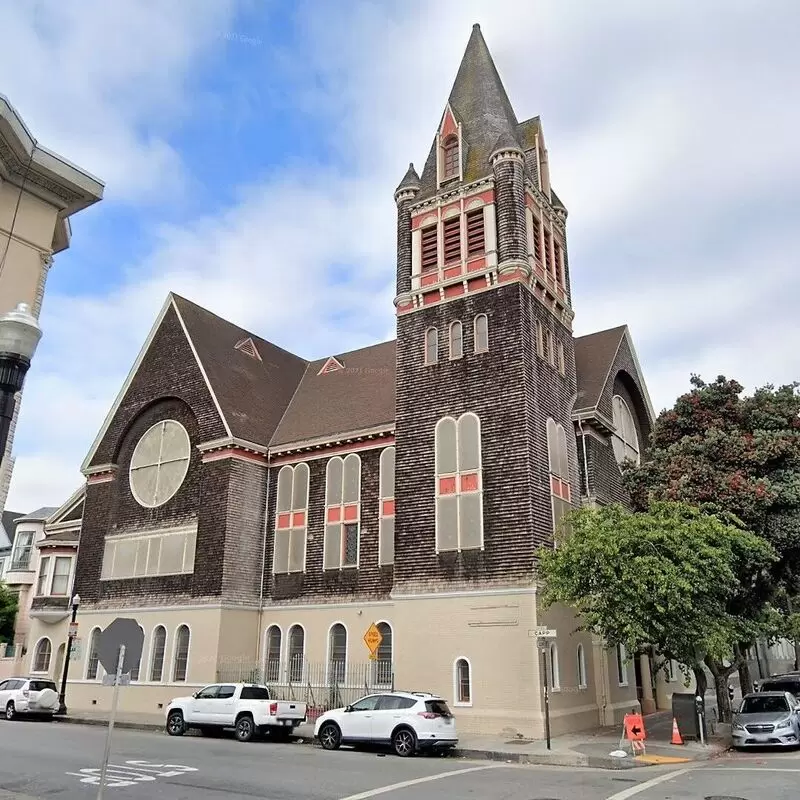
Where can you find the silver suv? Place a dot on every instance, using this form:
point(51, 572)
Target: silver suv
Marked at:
point(767, 718)
point(34, 696)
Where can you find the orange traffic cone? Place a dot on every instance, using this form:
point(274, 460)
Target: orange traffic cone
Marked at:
point(676, 734)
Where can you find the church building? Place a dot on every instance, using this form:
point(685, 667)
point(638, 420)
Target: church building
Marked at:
point(258, 512)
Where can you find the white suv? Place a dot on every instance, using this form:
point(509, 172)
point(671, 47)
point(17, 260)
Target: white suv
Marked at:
point(408, 721)
point(28, 696)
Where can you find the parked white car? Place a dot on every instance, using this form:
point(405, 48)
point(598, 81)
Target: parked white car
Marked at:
point(28, 696)
point(407, 721)
point(248, 708)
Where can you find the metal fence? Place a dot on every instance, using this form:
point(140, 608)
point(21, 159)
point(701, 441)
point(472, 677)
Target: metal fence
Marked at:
point(321, 686)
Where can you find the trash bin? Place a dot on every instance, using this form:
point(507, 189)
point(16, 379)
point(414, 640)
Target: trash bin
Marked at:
point(684, 709)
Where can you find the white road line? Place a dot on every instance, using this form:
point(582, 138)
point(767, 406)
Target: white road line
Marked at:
point(643, 787)
point(403, 784)
point(749, 769)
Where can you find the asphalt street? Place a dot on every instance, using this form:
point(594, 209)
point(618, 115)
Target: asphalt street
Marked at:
point(45, 760)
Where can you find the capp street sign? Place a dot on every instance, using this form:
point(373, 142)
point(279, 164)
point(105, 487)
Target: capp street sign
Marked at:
point(122, 631)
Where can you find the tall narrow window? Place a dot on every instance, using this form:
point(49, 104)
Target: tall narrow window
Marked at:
point(159, 648)
point(459, 490)
point(272, 657)
point(383, 663)
point(555, 669)
point(44, 574)
point(386, 522)
point(297, 646)
point(463, 681)
point(291, 519)
point(476, 236)
point(180, 665)
point(451, 235)
point(481, 333)
point(343, 512)
point(546, 344)
point(562, 367)
point(23, 547)
point(431, 346)
point(94, 659)
point(580, 667)
point(450, 157)
point(560, 488)
point(135, 668)
point(456, 340)
point(337, 654)
point(557, 264)
point(548, 254)
point(41, 656)
point(622, 665)
point(62, 568)
point(626, 440)
point(430, 248)
point(537, 238)
point(539, 339)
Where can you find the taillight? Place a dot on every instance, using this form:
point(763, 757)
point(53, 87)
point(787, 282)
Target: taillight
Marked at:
point(273, 709)
point(427, 715)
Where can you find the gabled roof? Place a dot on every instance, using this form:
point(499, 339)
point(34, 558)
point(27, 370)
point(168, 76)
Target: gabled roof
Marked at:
point(595, 355)
point(71, 511)
point(40, 515)
point(252, 393)
point(8, 528)
point(358, 397)
point(480, 103)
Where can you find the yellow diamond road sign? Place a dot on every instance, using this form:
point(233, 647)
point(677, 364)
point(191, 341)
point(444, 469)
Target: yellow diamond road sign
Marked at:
point(373, 639)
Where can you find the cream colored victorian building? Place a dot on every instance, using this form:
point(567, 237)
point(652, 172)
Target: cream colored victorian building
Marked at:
point(39, 192)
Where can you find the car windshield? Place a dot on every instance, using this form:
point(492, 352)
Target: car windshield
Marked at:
point(40, 686)
point(764, 705)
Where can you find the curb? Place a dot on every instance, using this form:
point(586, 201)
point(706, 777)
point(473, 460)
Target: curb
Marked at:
point(568, 759)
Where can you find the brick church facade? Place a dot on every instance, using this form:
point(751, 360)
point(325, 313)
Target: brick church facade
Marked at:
point(252, 509)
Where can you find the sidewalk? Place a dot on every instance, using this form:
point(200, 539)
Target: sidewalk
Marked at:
point(589, 749)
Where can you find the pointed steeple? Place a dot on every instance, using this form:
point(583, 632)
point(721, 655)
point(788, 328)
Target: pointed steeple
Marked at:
point(481, 106)
point(410, 181)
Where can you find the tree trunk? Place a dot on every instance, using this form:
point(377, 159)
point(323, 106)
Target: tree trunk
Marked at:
point(721, 675)
point(701, 679)
point(745, 679)
point(796, 642)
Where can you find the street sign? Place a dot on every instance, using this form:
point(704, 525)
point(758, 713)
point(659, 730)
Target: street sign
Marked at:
point(373, 639)
point(122, 631)
point(111, 680)
point(73, 630)
point(542, 632)
point(75, 650)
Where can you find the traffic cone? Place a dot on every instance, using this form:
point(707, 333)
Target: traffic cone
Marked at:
point(676, 734)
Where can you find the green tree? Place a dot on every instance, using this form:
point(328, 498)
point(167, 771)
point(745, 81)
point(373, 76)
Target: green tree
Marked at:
point(671, 577)
point(8, 613)
point(729, 453)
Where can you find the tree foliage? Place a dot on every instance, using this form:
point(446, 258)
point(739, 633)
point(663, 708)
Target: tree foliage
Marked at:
point(672, 577)
point(8, 613)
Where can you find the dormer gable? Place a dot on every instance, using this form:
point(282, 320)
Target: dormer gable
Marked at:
point(449, 149)
point(331, 365)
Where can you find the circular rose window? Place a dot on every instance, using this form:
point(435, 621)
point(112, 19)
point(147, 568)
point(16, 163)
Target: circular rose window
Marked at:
point(160, 463)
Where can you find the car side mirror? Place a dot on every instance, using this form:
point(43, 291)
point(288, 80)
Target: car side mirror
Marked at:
point(348, 709)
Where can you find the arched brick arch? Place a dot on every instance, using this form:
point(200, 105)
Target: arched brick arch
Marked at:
point(628, 389)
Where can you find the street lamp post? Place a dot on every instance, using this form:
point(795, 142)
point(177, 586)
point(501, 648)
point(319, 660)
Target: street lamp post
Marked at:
point(19, 337)
point(71, 634)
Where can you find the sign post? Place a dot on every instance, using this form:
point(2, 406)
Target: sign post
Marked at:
point(544, 636)
point(373, 639)
point(119, 650)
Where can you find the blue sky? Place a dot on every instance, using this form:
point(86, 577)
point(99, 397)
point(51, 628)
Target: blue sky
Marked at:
point(250, 151)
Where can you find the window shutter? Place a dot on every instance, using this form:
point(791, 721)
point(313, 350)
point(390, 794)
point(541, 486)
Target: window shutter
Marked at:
point(429, 248)
point(452, 240)
point(476, 240)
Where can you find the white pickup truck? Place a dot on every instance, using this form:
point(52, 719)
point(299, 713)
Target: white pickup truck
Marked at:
point(248, 708)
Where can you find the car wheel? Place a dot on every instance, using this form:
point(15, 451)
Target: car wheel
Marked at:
point(11, 711)
point(245, 728)
point(404, 742)
point(330, 737)
point(175, 724)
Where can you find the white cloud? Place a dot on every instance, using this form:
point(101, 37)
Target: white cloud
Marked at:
point(666, 124)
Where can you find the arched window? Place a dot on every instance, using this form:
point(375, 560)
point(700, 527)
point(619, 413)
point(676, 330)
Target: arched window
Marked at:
point(93, 660)
point(431, 346)
point(581, 667)
point(41, 655)
point(555, 673)
point(386, 522)
point(463, 682)
point(626, 440)
point(459, 488)
point(558, 462)
point(181, 660)
point(456, 340)
point(383, 663)
point(272, 656)
point(296, 655)
point(481, 333)
point(157, 658)
point(135, 667)
point(342, 512)
point(450, 157)
point(337, 654)
point(622, 665)
point(291, 518)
